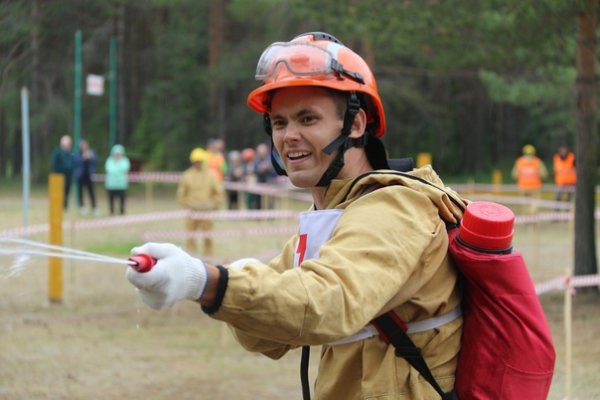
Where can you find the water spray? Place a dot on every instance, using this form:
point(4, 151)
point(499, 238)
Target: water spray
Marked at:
point(139, 262)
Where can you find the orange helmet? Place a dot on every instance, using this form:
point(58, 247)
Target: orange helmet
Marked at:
point(248, 154)
point(317, 59)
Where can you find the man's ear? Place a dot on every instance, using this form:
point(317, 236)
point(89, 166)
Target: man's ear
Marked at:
point(359, 125)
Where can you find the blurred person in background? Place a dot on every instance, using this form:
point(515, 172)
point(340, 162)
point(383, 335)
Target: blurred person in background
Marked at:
point(529, 171)
point(265, 173)
point(62, 162)
point(117, 168)
point(565, 173)
point(199, 190)
point(85, 168)
point(373, 242)
point(216, 158)
point(235, 174)
point(248, 157)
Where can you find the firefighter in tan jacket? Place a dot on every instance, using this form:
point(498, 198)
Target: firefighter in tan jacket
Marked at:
point(372, 242)
point(198, 191)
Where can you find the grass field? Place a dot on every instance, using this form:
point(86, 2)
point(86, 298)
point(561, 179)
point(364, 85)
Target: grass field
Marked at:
point(102, 343)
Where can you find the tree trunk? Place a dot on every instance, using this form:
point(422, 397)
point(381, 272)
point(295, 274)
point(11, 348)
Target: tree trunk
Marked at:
point(35, 99)
point(217, 99)
point(3, 138)
point(586, 143)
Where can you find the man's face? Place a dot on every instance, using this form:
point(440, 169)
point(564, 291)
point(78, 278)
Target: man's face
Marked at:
point(562, 150)
point(304, 121)
point(66, 143)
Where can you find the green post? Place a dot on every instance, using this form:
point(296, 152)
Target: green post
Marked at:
point(77, 104)
point(112, 112)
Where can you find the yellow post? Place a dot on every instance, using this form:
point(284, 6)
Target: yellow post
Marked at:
point(423, 159)
point(56, 184)
point(496, 179)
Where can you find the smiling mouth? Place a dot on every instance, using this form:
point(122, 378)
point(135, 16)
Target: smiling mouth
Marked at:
point(298, 155)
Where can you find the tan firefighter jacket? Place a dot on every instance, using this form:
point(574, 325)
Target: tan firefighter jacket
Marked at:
point(199, 190)
point(387, 251)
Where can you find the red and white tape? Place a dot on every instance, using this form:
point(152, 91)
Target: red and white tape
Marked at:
point(221, 233)
point(153, 217)
point(563, 282)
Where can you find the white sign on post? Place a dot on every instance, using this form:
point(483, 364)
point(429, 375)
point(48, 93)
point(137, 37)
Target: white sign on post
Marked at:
point(95, 85)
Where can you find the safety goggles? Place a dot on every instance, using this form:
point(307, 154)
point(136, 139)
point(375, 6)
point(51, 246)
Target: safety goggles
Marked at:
point(301, 60)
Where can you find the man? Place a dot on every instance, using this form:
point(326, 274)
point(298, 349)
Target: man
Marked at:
point(85, 168)
point(199, 190)
point(565, 173)
point(63, 162)
point(216, 158)
point(263, 169)
point(529, 171)
point(372, 242)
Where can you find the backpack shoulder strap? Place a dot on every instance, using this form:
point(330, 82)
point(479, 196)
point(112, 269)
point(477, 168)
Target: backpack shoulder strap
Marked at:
point(392, 330)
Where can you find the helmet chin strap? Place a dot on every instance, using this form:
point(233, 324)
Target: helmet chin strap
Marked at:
point(342, 143)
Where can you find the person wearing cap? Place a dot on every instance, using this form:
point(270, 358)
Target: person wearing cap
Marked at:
point(529, 171)
point(372, 242)
point(199, 190)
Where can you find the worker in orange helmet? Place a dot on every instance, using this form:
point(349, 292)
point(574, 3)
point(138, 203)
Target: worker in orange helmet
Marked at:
point(372, 242)
point(565, 173)
point(529, 171)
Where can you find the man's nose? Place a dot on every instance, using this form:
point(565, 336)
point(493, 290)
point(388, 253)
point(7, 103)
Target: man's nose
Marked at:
point(292, 132)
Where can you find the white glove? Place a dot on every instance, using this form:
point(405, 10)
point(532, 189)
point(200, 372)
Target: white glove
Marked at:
point(176, 276)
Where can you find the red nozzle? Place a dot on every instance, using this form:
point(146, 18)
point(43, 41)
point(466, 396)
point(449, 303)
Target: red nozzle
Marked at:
point(143, 262)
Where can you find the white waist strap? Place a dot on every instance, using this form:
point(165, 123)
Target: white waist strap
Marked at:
point(414, 327)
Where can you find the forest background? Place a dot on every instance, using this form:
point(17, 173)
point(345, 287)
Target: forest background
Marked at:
point(470, 82)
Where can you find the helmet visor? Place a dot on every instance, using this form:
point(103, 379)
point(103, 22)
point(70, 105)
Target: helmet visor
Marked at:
point(299, 59)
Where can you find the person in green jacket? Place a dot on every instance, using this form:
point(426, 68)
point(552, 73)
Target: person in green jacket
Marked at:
point(117, 179)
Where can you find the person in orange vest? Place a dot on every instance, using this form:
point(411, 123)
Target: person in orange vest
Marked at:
point(216, 158)
point(529, 171)
point(565, 174)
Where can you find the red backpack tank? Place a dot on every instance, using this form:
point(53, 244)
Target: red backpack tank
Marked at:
point(506, 348)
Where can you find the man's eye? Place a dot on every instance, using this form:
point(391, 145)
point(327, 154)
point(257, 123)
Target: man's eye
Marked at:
point(308, 119)
point(277, 124)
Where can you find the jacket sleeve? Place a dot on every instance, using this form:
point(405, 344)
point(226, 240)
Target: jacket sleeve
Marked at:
point(251, 342)
point(379, 242)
